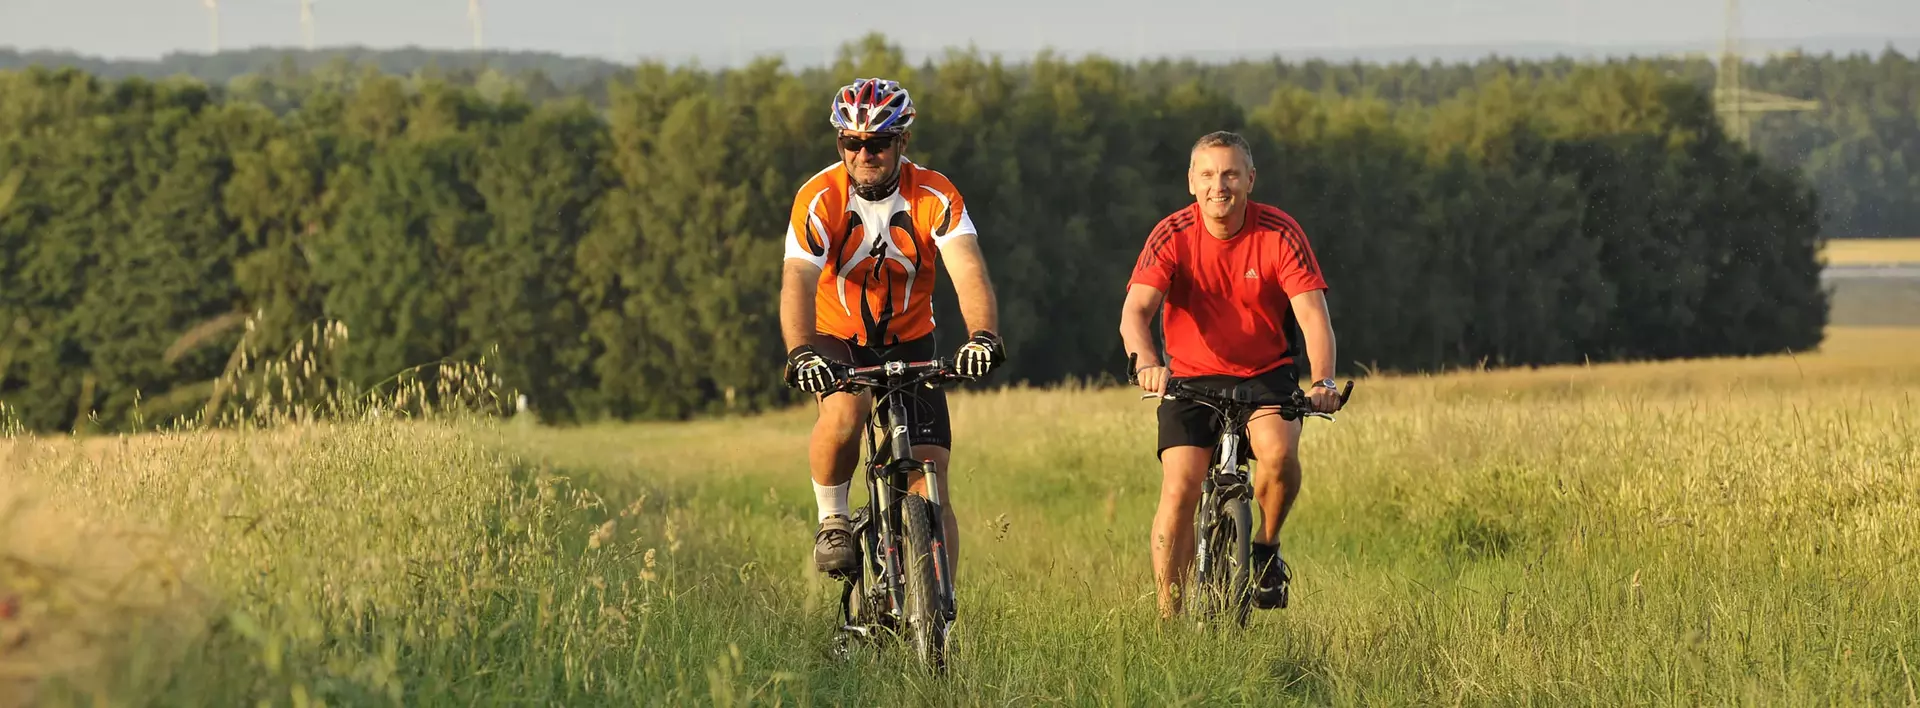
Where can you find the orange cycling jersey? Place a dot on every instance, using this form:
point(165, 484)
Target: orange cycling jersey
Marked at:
point(876, 258)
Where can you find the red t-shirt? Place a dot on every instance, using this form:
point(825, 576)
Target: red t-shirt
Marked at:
point(1228, 303)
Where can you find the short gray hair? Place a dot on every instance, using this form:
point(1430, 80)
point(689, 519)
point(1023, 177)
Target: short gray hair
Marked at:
point(1225, 138)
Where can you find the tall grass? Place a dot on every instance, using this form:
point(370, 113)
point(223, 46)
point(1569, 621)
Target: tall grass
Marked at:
point(1734, 531)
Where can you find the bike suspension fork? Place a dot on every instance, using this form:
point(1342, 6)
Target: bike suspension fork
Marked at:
point(903, 450)
point(1226, 463)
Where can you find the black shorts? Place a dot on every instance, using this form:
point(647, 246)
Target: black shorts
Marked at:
point(1184, 422)
point(929, 406)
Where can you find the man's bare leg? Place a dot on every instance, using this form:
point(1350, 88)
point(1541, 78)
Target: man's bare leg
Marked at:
point(1276, 474)
point(1183, 468)
point(1276, 484)
point(832, 452)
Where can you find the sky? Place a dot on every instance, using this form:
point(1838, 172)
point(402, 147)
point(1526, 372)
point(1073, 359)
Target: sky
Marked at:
point(625, 30)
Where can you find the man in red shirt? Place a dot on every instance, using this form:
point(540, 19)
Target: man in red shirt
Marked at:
point(1234, 276)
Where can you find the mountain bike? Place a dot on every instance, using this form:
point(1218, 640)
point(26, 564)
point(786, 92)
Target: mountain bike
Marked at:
point(903, 584)
point(1223, 518)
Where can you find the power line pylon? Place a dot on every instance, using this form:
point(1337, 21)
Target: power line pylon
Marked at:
point(1736, 103)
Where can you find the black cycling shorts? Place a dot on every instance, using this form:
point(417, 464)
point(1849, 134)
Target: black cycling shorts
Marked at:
point(1184, 422)
point(929, 406)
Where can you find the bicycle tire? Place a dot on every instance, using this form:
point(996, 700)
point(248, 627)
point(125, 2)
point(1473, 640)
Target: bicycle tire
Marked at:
point(1239, 519)
point(859, 607)
point(1223, 583)
point(1208, 587)
point(926, 623)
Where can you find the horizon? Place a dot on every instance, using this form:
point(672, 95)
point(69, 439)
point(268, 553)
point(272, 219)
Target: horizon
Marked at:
point(1371, 30)
point(1753, 49)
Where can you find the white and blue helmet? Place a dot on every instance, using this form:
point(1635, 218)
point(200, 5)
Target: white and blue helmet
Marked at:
point(872, 106)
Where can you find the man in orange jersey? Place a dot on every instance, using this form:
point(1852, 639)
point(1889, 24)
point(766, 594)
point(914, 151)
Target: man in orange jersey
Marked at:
point(857, 290)
point(1235, 275)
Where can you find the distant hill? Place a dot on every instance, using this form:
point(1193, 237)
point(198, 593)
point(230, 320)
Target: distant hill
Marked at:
point(565, 71)
point(574, 72)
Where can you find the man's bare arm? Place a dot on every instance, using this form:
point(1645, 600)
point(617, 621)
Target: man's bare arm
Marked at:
point(1136, 323)
point(971, 284)
point(1316, 326)
point(799, 283)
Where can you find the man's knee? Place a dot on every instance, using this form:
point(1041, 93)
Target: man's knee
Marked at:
point(1275, 442)
point(1182, 470)
point(1277, 456)
point(840, 418)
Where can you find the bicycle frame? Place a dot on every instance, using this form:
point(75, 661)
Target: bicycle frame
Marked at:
point(1227, 488)
point(1227, 481)
point(888, 468)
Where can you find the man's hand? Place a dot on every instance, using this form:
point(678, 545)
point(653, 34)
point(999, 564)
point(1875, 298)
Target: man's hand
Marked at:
point(809, 371)
point(1325, 398)
point(980, 355)
point(1152, 379)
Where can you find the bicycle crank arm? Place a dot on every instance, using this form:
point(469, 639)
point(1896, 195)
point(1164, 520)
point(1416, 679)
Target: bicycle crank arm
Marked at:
point(861, 631)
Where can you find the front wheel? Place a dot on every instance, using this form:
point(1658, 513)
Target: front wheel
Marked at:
point(1222, 570)
point(925, 619)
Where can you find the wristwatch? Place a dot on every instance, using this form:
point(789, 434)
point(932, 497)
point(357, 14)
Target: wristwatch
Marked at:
point(1328, 384)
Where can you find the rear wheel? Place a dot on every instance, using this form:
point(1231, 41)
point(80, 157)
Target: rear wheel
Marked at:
point(861, 613)
point(866, 537)
point(925, 619)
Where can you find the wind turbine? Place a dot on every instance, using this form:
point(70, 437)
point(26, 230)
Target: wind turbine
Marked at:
point(306, 22)
point(474, 18)
point(213, 16)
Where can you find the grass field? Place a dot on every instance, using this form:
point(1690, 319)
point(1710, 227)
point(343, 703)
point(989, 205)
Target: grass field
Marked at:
point(1872, 251)
point(1740, 531)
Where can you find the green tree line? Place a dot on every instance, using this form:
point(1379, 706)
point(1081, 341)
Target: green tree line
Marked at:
point(1860, 149)
point(622, 262)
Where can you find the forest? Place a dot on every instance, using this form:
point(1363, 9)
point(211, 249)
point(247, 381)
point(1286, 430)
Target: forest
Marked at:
point(613, 251)
point(1860, 148)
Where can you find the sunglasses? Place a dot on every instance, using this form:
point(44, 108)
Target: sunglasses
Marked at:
point(876, 144)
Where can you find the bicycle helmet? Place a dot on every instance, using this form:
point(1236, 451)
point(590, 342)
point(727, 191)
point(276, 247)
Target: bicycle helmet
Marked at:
point(872, 106)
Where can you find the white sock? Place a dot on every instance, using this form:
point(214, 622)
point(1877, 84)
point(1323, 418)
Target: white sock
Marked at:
point(832, 500)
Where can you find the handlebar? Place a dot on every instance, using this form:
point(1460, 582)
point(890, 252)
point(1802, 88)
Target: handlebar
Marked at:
point(1294, 406)
point(899, 374)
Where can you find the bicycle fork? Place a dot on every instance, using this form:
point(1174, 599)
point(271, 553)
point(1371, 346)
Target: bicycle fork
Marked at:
point(1224, 486)
point(1212, 493)
point(936, 509)
point(903, 450)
